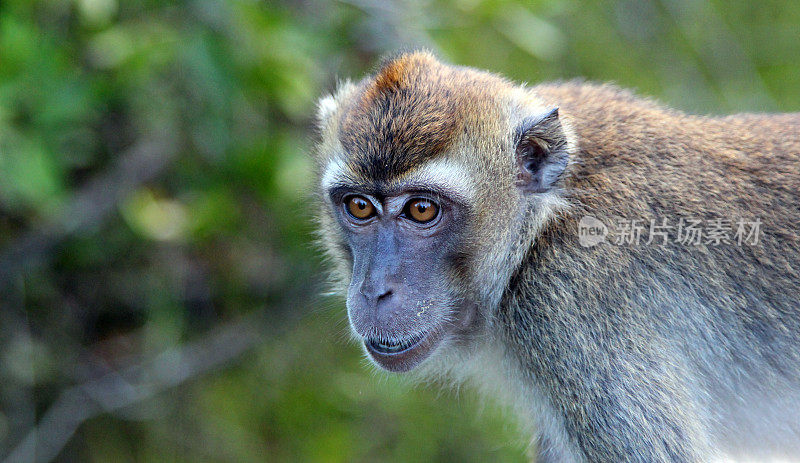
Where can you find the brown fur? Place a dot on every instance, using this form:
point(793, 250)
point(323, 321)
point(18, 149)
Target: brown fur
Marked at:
point(410, 111)
point(641, 351)
point(687, 312)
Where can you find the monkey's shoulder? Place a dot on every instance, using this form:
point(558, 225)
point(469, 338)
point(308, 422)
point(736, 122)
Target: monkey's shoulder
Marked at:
point(587, 95)
point(586, 99)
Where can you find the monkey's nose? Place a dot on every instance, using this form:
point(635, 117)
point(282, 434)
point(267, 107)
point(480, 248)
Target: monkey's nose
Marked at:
point(375, 293)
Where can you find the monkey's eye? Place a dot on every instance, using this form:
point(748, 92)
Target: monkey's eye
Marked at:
point(359, 207)
point(421, 210)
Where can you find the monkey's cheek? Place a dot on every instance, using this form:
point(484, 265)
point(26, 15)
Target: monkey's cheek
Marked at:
point(409, 357)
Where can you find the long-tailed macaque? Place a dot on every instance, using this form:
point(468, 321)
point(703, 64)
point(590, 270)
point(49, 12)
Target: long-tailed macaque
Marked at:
point(626, 276)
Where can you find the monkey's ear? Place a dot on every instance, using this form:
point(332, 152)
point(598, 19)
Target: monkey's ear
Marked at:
point(541, 152)
point(325, 108)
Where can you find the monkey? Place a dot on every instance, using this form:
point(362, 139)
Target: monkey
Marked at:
point(450, 204)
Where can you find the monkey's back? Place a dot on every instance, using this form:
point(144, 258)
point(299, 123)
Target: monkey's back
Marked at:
point(639, 160)
point(729, 310)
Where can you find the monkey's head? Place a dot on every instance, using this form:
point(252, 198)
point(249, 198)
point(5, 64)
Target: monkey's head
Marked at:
point(435, 181)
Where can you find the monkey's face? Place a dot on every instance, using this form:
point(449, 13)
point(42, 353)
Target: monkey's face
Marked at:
point(403, 246)
point(430, 174)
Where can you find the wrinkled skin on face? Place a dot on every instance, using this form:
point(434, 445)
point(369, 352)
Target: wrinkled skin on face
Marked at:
point(404, 250)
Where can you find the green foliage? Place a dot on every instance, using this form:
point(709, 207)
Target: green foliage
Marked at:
point(154, 188)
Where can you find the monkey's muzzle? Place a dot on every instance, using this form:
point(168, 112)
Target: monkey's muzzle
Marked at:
point(400, 355)
point(392, 347)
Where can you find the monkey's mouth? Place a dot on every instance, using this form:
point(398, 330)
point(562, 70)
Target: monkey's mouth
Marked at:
point(403, 354)
point(392, 347)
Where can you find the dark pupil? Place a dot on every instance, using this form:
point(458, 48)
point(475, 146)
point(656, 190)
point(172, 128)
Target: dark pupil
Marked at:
point(422, 207)
point(361, 204)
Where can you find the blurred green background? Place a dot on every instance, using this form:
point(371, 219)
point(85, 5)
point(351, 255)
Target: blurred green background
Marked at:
point(160, 293)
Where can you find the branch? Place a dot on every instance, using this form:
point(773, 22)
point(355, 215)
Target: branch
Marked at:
point(131, 385)
point(90, 206)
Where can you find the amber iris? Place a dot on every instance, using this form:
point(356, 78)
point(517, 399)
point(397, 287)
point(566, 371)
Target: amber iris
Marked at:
point(421, 210)
point(360, 207)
